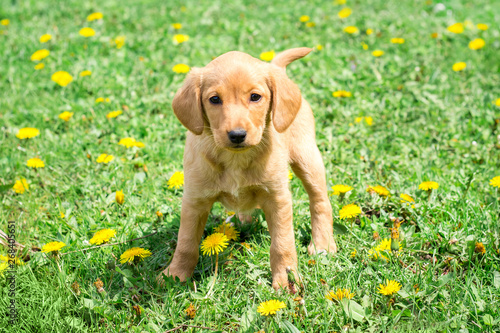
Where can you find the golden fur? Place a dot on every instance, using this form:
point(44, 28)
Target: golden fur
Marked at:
point(279, 132)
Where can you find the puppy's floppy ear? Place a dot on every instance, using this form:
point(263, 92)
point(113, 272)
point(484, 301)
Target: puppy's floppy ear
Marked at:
point(187, 102)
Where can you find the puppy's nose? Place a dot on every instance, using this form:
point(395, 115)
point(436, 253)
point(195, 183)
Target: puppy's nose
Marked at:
point(237, 136)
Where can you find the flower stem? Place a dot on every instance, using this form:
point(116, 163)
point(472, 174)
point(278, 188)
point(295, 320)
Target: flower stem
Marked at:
point(215, 275)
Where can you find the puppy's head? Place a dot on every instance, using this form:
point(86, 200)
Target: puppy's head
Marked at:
point(236, 95)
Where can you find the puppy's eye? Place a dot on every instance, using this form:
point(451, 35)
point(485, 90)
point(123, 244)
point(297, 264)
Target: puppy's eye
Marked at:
point(215, 100)
point(255, 97)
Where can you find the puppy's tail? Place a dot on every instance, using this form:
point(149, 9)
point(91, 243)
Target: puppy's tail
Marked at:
point(286, 57)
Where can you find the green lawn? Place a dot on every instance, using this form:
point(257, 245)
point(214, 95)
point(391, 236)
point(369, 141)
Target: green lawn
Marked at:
point(428, 123)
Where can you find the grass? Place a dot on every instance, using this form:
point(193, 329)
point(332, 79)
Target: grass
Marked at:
point(429, 124)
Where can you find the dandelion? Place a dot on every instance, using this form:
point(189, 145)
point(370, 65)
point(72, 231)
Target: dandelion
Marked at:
point(344, 13)
point(456, 28)
point(397, 40)
point(228, 230)
point(407, 199)
point(310, 24)
point(102, 236)
point(66, 115)
point(369, 31)
point(35, 163)
point(479, 248)
point(16, 260)
point(40, 54)
point(364, 45)
point(379, 189)
point(87, 32)
point(61, 214)
point(339, 294)
point(341, 189)
point(45, 38)
point(353, 253)
point(369, 120)
point(99, 100)
point(130, 142)
point(428, 186)
point(27, 133)
point(85, 73)
point(304, 18)
point(434, 35)
point(190, 311)
point(214, 244)
point(39, 66)
point(351, 29)
point(378, 53)
point(319, 47)
point(5, 22)
point(267, 56)
point(134, 255)
point(119, 41)
point(176, 180)
point(497, 102)
point(476, 44)
point(389, 288)
point(53, 247)
point(482, 26)
point(181, 68)
point(178, 39)
point(349, 211)
point(95, 16)
point(20, 186)
point(105, 158)
point(290, 175)
point(495, 181)
point(62, 78)
point(119, 197)
point(341, 93)
point(339, 2)
point(459, 66)
point(3, 267)
point(176, 26)
point(114, 114)
point(270, 307)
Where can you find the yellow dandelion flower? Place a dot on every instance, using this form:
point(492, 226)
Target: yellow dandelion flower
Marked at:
point(364, 45)
point(17, 260)
point(479, 248)
point(87, 32)
point(353, 253)
point(369, 31)
point(495, 181)
point(434, 35)
point(379, 189)
point(62, 78)
point(319, 47)
point(120, 41)
point(119, 197)
point(476, 44)
point(344, 13)
point(397, 40)
point(427, 186)
point(378, 53)
point(349, 211)
point(95, 16)
point(5, 22)
point(228, 230)
point(351, 29)
point(85, 73)
point(304, 18)
point(341, 189)
point(102, 236)
point(114, 114)
point(339, 2)
point(389, 288)
point(341, 93)
point(214, 244)
point(3, 267)
point(270, 307)
point(105, 158)
point(99, 100)
point(130, 142)
point(66, 115)
point(482, 26)
point(267, 56)
point(176, 180)
point(61, 214)
point(290, 175)
point(27, 133)
point(39, 66)
point(310, 24)
point(40, 54)
point(178, 39)
point(369, 120)
point(190, 311)
point(20, 186)
point(406, 198)
point(456, 28)
point(134, 254)
point(358, 119)
point(45, 38)
point(35, 163)
point(181, 68)
point(339, 294)
point(53, 247)
point(497, 102)
point(177, 26)
point(459, 66)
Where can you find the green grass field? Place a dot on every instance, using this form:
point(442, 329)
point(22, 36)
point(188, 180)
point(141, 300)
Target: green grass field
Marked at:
point(428, 123)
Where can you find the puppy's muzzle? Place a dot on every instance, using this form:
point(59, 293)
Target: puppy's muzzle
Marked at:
point(237, 136)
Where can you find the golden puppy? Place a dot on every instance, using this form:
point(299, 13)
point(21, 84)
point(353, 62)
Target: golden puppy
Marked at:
point(247, 122)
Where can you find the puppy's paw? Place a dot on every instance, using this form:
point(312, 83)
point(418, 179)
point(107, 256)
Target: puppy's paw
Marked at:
point(171, 271)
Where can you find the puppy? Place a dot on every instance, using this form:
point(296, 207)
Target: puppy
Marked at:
point(247, 122)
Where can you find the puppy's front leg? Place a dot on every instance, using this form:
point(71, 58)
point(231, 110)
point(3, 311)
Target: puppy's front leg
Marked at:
point(194, 213)
point(278, 211)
